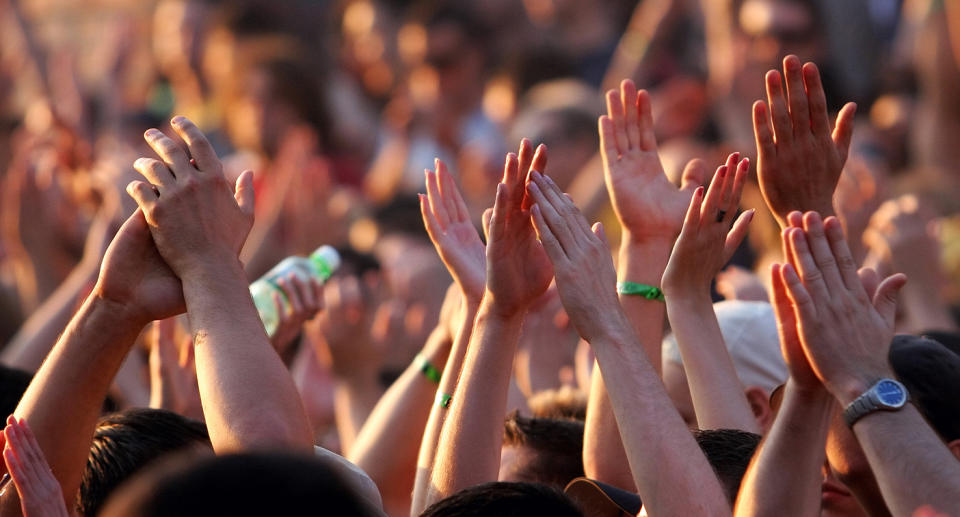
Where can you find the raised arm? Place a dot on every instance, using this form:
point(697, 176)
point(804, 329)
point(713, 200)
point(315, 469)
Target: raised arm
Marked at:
point(39, 492)
point(705, 245)
point(846, 337)
point(651, 211)
point(786, 470)
point(518, 272)
point(199, 224)
point(448, 223)
point(670, 471)
point(64, 399)
point(799, 160)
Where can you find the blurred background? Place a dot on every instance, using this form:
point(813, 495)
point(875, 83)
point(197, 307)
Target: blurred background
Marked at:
point(339, 105)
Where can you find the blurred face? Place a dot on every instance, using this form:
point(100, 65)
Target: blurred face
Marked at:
point(258, 121)
point(177, 34)
point(457, 64)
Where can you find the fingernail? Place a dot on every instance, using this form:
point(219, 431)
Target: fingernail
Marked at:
point(736, 157)
point(177, 121)
point(722, 171)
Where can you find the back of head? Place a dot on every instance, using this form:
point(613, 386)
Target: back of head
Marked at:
point(565, 403)
point(931, 373)
point(501, 499)
point(729, 452)
point(125, 442)
point(546, 450)
point(261, 483)
point(13, 383)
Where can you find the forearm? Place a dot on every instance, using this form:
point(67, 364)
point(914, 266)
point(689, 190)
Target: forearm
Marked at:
point(72, 383)
point(39, 333)
point(663, 455)
point(249, 399)
point(438, 415)
point(604, 458)
point(718, 397)
point(797, 441)
point(912, 465)
point(387, 446)
point(468, 452)
point(354, 399)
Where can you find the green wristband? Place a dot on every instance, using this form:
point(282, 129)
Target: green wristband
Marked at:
point(647, 291)
point(428, 370)
point(443, 400)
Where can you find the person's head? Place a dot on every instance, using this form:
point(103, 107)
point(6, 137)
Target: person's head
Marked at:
point(125, 442)
point(541, 450)
point(179, 30)
point(501, 499)
point(750, 332)
point(729, 452)
point(565, 403)
point(13, 383)
point(931, 374)
point(260, 483)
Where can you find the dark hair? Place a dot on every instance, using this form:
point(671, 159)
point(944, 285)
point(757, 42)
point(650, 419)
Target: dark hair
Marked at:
point(259, 483)
point(499, 499)
point(931, 373)
point(125, 442)
point(13, 383)
point(556, 447)
point(729, 452)
point(401, 215)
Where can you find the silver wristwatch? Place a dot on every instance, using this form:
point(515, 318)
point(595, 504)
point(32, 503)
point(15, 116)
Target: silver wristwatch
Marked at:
point(885, 395)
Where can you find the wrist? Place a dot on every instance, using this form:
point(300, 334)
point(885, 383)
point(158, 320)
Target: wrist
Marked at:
point(126, 315)
point(849, 389)
point(492, 310)
point(227, 266)
point(687, 297)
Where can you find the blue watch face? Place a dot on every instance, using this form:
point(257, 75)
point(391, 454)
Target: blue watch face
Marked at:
point(890, 393)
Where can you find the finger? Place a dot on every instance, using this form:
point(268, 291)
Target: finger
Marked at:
point(843, 132)
point(736, 234)
point(782, 307)
point(739, 180)
point(885, 300)
point(290, 292)
point(817, 99)
point(434, 230)
point(782, 127)
point(511, 166)
point(870, 280)
point(694, 175)
point(628, 100)
point(200, 149)
point(524, 159)
point(456, 208)
point(155, 171)
point(805, 265)
point(615, 112)
point(799, 108)
point(708, 212)
point(795, 219)
point(279, 306)
point(32, 452)
point(845, 261)
point(170, 152)
point(436, 200)
point(552, 216)
point(143, 194)
point(305, 292)
point(763, 132)
point(244, 194)
point(802, 301)
point(822, 253)
point(598, 230)
point(565, 205)
point(485, 220)
point(608, 145)
point(499, 215)
point(317, 287)
point(726, 186)
point(691, 221)
point(538, 164)
point(550, 243)
point(648, 139)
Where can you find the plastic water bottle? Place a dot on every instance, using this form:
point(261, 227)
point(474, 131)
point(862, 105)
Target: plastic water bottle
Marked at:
point(319, 265)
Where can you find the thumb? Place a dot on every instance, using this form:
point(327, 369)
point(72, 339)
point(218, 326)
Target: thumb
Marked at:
point(243, 192)
point(694, 175)
point(487, 214)
point(885, 301)
point(601, 233)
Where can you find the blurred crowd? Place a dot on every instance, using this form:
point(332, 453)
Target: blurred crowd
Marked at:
point(339, 106)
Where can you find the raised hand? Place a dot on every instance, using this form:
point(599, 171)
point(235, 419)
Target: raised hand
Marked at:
point(40, 493)
point(448, 223)
point(799, 158)
point(581, 259)
point(173, 373)
point(135, 276)
point(197, 220)
point(706, 241)
point(518, 269)
point(647, 204)
point(304, 300)
point(844, 334)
